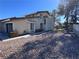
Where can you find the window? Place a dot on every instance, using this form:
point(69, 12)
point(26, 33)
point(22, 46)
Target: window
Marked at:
point(41, 26)
point(44, 20)
point(9, 27)
point(31, 26)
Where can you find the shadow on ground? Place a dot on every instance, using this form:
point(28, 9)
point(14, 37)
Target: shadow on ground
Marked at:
point(62, 47)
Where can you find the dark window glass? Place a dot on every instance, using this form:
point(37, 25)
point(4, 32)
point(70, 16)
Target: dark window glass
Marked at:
point(9, 27)
point(44, 21)
point(31, 26)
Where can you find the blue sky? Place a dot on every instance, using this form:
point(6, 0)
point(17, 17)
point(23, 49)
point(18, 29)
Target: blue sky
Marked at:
point(11, 8)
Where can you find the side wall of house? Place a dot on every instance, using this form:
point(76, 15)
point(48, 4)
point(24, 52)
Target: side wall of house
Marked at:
point(49, 24)
point(38, 22)
point(23, 25)
point(2, 27)
point(46, 27)
point(20, 26)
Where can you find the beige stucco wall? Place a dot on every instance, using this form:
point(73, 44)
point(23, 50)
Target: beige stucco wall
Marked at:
point(2, 28)
point(20, 26)
point(37, 24)
point(49, 24)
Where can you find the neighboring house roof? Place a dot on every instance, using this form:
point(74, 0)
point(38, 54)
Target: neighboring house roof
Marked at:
point(12, 18)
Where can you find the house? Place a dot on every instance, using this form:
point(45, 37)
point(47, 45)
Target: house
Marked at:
point(39, 21)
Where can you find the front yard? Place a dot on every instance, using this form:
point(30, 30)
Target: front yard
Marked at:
point(42, 46)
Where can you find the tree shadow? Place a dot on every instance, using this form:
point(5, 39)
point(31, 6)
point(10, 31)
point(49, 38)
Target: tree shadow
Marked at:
point(54, 48)
point(70, 48)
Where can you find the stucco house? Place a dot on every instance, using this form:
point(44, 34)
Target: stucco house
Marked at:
point(39, 21)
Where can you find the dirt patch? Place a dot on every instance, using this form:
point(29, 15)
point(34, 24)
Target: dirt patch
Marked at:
point(10, 47)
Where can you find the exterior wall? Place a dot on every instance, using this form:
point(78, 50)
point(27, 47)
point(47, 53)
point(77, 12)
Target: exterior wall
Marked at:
point(2, 27)
point(20, 26)
point(23, 25)
point(37, 24)
point(76, 29)
point(49, 24)
point(46, 27)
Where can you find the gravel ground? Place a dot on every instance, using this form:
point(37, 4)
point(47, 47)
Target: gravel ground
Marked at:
point(8, 47)
point(48, 46)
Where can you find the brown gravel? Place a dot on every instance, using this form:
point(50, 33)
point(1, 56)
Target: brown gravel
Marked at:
point(9, 47)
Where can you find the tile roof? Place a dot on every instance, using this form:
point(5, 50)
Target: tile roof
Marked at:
point(27, 16)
